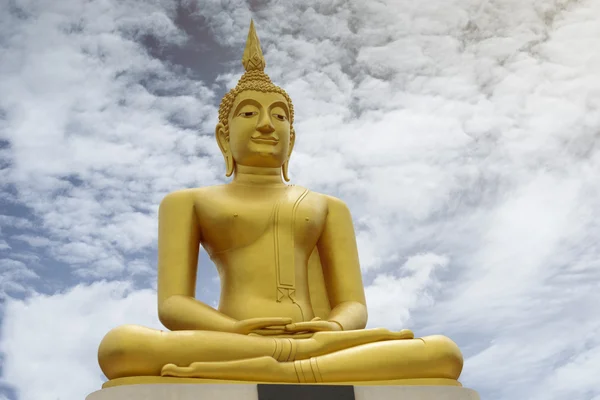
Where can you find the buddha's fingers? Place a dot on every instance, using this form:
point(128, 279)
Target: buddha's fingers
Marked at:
point(268, 332)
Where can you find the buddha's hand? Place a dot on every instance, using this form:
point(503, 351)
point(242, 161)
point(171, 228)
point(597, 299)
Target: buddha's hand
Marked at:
point(314, 325)
point(247, 326)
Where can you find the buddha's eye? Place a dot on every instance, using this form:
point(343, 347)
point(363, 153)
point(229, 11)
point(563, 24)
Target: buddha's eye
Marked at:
point(247, 114)
point(280, 117)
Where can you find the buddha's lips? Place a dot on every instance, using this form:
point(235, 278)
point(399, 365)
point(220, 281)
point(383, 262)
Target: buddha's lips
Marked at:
point(266, 140)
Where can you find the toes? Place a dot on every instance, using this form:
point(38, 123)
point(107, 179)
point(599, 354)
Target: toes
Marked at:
point(168, 369)
point(406, 334)
point(174, 370)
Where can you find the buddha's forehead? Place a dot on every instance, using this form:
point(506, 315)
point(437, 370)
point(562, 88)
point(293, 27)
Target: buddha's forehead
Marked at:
point(263, 98)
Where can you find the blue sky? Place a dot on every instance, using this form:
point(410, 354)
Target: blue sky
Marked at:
point(464, 136)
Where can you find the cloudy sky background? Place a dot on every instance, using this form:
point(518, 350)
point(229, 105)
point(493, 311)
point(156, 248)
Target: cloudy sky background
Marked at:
point(463, 134)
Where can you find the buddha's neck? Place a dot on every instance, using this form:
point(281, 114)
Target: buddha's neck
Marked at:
point(259, 176)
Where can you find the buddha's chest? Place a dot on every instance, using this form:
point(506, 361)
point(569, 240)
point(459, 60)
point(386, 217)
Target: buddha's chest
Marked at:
point(292, 217)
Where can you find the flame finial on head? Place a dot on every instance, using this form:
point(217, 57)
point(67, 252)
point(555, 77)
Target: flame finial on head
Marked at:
point(253, 59)
point(254, 78)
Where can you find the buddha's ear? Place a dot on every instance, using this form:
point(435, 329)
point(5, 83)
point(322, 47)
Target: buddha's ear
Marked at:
point(222, 135)
point(286, 164)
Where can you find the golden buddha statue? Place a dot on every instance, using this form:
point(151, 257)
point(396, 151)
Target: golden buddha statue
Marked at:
point(292, 306)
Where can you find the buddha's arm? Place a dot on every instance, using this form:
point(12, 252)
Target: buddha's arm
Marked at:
point(341, 269)
point(178, 246)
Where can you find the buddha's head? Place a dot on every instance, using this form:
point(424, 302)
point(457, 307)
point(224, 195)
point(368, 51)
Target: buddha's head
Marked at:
point(256, 117)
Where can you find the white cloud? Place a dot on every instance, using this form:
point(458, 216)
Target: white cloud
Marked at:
point(34, 241)
point(13, 221)
point(391, 298)
point(50, 343)
point(92, 146)
point(14, 276)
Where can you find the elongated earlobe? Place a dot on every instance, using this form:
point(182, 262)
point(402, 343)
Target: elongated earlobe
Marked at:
point(229, 164)
point(284, 170)
point(286, 165)
point(222, 134)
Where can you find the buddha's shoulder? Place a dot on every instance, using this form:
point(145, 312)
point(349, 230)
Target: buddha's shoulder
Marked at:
point(192, 195)
point(331, 202)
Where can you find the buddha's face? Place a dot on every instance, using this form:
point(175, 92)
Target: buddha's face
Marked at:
point(259, 130)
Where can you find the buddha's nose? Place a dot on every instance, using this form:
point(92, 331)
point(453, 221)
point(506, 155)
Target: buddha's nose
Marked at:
point(265, 126)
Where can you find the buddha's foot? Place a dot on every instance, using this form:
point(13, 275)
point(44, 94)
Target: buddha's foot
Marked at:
point(254, 369)
point(322, 343)
point(434, 357)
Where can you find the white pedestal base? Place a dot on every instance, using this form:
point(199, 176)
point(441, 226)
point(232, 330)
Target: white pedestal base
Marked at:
point(250, 392)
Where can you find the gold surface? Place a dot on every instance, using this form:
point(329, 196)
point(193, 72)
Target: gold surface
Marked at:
point(292, 306)
point(145, 380)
